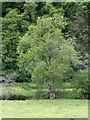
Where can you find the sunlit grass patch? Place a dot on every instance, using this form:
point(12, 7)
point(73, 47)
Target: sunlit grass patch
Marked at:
point(45, 109)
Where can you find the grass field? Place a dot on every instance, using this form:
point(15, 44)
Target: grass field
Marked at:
point(44, 109)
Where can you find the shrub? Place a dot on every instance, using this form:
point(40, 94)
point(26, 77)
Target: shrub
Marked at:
point(23, 76)
point(15, 93)
point(69, 94)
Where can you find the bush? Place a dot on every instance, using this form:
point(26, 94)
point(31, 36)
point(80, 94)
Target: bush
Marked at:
point(69, 94)
point(23, 76)
point(41, 95)
point(13, 97)
point(15, 93)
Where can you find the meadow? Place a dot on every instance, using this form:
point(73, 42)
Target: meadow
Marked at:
point(60, 108)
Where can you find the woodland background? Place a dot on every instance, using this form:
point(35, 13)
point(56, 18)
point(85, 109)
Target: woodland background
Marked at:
point(45, 49)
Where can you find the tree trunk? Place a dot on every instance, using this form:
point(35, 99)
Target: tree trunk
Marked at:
point(52, 90)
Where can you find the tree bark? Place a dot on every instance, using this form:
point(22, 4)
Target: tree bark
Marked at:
point(52, 90)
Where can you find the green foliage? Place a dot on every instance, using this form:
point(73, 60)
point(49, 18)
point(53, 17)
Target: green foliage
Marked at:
point(47, 54)
point(14, 5)
point(80, 29)
point(81, 80)
point(30, 10)
point(16, 92)
point(23, 91)
point(46, 43)
point(10, 38)
point(23, 76)
point(50, 9)
point(69, 94)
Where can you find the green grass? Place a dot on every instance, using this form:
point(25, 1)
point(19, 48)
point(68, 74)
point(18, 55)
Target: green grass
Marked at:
point(45, 109)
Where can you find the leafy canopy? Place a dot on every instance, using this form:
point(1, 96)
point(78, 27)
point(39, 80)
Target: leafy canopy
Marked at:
point(44, 52)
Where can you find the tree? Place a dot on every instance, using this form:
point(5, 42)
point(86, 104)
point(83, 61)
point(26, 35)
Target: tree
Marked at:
point(80, 29)
point(81, 82)
point(45, 53)
point(10, 38)
point(6, 6)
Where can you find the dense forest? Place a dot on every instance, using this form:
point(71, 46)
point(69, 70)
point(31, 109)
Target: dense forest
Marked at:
point(45, 49)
